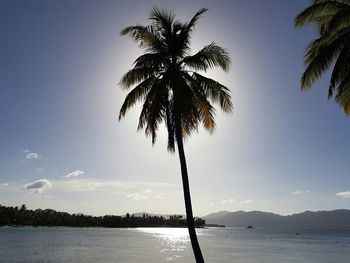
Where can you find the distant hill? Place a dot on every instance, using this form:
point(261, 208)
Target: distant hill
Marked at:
point(320, 220)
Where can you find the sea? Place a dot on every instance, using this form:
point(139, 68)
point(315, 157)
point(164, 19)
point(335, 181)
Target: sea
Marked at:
point(133, 245)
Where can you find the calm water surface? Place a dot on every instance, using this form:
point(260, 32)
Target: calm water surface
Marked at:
point(59, 244)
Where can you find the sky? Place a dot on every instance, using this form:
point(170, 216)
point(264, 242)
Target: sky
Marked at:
point(62, 146)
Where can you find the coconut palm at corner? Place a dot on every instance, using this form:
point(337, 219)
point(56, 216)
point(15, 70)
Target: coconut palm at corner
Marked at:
point(332, 17)
point(172, 91)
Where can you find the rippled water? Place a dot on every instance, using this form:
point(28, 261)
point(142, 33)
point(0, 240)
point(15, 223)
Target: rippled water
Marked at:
point(59, 244)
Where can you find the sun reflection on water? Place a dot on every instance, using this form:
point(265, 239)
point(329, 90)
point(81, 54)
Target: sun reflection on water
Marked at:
point(175, 242)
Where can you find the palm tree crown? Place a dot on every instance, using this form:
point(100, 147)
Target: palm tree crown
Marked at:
point(332, 18)
point(167, 83)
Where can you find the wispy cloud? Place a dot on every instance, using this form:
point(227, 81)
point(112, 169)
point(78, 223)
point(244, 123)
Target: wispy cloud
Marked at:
point(32, 155)
point(145, 194)
point(112, 186)
point(78, 184)
point(146, 186)
point(298, 192)
point(345, 194)
point(136, 196)
point(4, 184)
point(38, 186)
point(75, 174)
point(228, 201)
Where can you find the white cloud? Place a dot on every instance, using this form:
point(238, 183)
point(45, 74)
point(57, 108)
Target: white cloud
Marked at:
point(32, 155)
point(39, 169)
point(4, 184)
point(345, 194)
point(248, 201)
point(77, 184)
point(298, 192)
point(136, 196)
point(74, 174)
point(38, 186)
point(145, 194)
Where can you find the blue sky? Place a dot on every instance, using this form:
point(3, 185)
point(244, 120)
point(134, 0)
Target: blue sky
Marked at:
point(62, 147)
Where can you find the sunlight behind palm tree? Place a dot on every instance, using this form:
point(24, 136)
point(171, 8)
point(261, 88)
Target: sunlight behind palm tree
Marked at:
point(171, 89)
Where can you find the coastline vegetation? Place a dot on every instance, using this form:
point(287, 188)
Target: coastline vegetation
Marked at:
point(21, 216)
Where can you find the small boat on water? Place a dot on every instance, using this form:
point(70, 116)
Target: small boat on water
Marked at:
point(250, 226)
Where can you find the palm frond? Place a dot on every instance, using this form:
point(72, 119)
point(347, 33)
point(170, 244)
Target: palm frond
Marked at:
point(137, 94)
point(343, 96)
point(215, 91)
point(341, 71)
point(163, 20)
point(340, 20)
point(184, 36)
point(151, 60)
point(195, 18)
point(153, 110)
point(208, 57)
point(322, 1)
point(332, 17)
point(147, 37)
point(136, 75)
point(206, 112)
point(139, 33)
point(318, 13)
point(319, 55)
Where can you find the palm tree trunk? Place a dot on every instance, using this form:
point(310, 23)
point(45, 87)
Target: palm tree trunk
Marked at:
point(187, 196)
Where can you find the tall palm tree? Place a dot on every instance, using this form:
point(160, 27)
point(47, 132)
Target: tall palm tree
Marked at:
point(332, 18)
point(172, 91)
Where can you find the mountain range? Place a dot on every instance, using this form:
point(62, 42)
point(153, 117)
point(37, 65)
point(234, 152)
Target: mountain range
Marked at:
point(308, 220)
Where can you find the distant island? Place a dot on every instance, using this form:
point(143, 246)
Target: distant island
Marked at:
point(21, 216)
point(308, 220)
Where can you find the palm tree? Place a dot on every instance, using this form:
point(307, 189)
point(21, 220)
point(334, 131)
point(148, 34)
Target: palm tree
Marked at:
point(172, 91)
point(332, 18)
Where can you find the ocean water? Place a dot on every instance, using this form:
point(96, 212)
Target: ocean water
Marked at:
point(91, 245)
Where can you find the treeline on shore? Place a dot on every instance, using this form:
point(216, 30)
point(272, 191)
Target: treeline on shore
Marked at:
point(21, 216)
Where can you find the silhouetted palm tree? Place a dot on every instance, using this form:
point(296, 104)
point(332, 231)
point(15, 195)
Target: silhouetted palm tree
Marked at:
point(332, 17)
point(172, 91)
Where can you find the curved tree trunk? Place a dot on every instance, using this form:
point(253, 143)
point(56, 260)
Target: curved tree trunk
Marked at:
point(187, 196)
